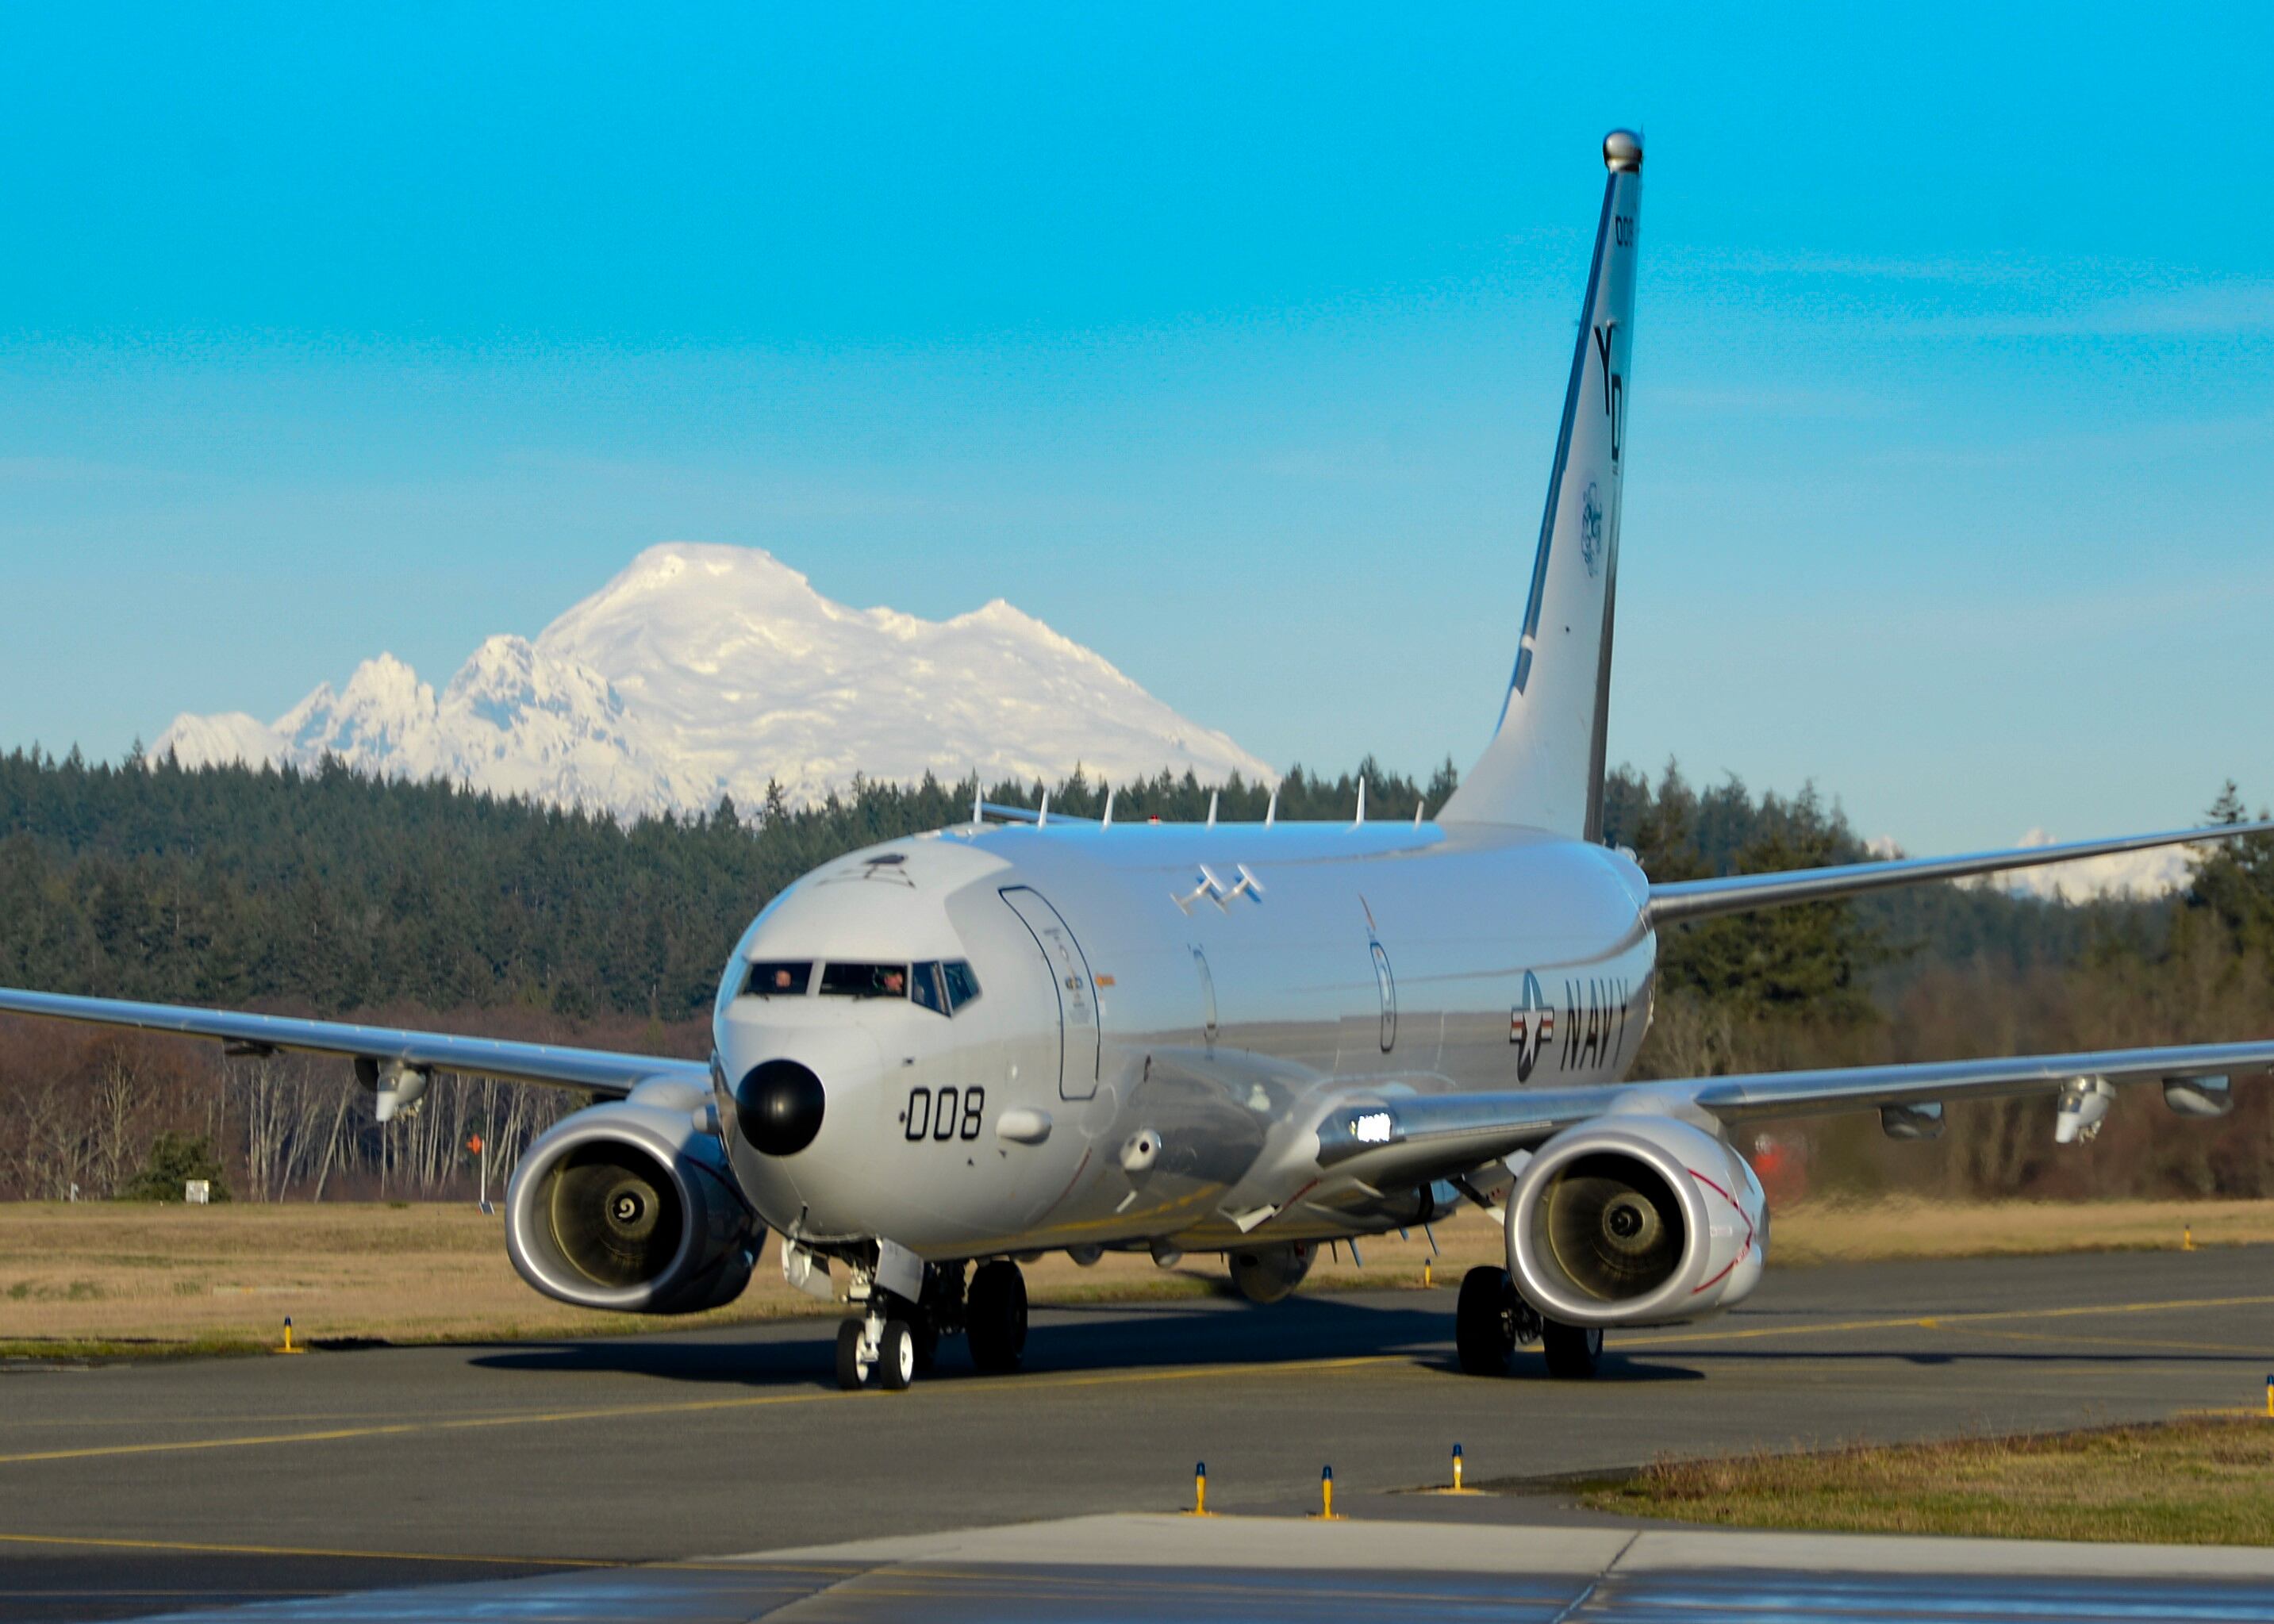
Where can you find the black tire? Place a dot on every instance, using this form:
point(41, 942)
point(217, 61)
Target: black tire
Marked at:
point(995, 1318)
point(896, 1357)
point(918, 1319)
point(1574, 1351)
point(1484, 1321)
point(848, 1355)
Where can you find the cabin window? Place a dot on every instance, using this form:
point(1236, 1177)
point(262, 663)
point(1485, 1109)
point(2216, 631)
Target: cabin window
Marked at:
point(865, 980)
point(779, 978)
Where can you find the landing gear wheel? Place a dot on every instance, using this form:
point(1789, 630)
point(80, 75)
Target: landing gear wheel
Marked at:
point(896, 1357)
point(995, 1318)
point(1573, 1351)
point(1484, 1321)
point(852, 1368)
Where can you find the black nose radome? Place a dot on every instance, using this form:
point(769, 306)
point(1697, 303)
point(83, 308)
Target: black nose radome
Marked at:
point(778, 1106)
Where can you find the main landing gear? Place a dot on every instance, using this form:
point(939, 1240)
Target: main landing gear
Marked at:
point(1492, 1319)
point(896, 1340)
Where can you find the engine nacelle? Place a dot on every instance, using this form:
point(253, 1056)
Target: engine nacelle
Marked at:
point(1266, 1274)
point(631, 1205)
point(1636, 1221)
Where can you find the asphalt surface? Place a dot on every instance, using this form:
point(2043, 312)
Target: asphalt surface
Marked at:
point(137, 1489)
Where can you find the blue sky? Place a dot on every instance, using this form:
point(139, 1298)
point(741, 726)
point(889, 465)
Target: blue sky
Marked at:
point(1230, 344)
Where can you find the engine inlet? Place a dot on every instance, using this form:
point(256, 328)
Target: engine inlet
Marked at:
point(1613, 1227)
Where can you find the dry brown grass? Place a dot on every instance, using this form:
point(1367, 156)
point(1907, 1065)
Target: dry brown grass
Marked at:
point(98, 1277)
point(2199, 1480)
point(1908, 1227)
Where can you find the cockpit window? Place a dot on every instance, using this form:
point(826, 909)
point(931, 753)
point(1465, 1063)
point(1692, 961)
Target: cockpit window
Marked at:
point(943, 988)
point(865, 980)
point(780, 978)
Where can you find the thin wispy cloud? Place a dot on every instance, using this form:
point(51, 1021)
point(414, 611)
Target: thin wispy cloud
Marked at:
point(2232, 309)
point(1955, 270)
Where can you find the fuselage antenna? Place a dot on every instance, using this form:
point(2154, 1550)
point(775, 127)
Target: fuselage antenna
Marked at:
point(1271, 810)
point(1420, 807)
point(1211, 822)
point(1360, 818)
point(1107, 820)
point(978, 801)
point(1044, 817)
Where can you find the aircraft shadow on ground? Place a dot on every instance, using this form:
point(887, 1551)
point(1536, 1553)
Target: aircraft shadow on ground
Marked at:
point(1145, 1336)
point(1103, 1338)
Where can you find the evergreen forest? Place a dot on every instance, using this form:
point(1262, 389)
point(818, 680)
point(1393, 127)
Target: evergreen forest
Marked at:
point(331, 894)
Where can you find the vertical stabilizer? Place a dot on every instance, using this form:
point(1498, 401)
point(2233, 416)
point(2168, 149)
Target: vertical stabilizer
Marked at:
point(1544, 768)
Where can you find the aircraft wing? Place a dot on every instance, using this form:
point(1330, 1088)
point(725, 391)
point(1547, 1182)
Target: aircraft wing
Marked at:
point(1680, 899)
point(595, 1071)
point(1410, 1138)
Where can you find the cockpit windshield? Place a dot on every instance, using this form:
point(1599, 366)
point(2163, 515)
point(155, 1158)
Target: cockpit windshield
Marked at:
point(865, 980)
point(942, 986)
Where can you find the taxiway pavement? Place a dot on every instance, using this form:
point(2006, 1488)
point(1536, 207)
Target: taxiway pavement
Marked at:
point(129, 1489)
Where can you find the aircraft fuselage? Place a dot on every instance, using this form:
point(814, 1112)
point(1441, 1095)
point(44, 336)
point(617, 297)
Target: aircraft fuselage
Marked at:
point(1164, 1013)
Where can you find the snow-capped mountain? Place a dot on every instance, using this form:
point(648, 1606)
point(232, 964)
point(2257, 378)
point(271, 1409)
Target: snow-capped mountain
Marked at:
point(2153, 873)
point(703, 670)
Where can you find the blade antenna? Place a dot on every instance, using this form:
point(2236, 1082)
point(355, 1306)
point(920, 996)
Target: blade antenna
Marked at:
point(1271, 810)
point(1360, 818)
point(1107, 820)
point(1420, 807)
point(978, 801)
point(1211, 822)
point(1044, 817)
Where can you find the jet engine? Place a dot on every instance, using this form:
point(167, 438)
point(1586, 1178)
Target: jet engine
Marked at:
point(631, 1205)
point(1636, 1221)
point(1266, 1274)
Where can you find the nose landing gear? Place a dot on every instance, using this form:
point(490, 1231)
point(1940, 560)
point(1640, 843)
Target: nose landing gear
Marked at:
point(896, 1340)
point(879, 1352)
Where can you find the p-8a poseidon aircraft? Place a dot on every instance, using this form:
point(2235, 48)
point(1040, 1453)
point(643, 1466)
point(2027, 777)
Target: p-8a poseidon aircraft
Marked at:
point(944, 1054)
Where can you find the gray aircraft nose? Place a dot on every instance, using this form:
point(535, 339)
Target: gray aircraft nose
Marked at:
point(779, 1105)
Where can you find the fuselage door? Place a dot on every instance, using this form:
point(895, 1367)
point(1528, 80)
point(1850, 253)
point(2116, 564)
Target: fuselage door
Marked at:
point(1077, 994)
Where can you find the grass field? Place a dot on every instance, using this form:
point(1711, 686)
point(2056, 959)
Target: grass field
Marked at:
point(99, 1278)
point(2199, 1480)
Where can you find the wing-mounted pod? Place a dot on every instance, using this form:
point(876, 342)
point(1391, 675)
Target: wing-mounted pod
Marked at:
point(1636, 1221)
point(1268, 1273)
point(631, 1205)
point(396, 1086)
